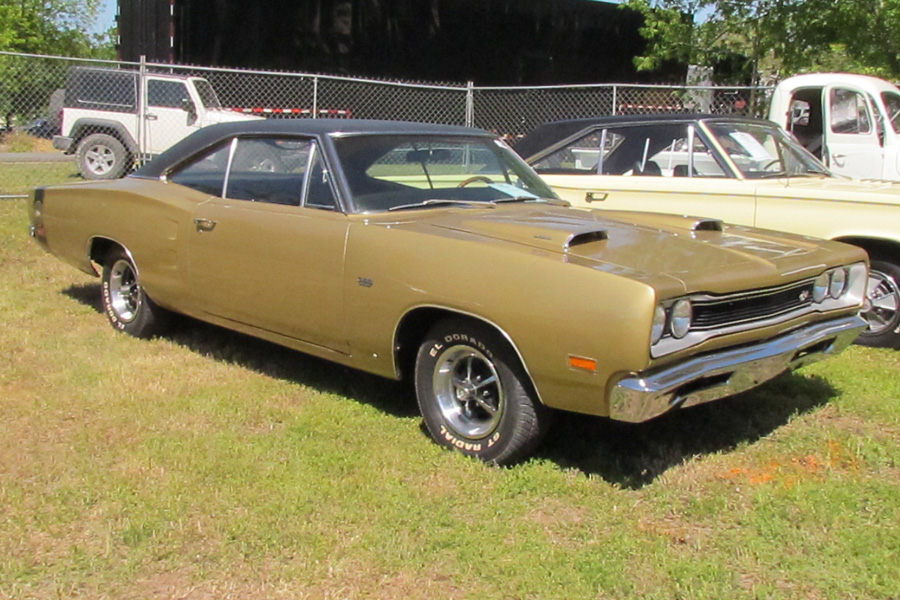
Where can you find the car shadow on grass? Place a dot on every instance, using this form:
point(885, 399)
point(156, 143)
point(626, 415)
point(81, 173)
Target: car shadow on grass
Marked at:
point(631, 455)
point(392, 397)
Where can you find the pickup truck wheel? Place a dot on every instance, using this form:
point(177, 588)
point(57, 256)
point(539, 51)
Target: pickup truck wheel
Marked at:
point(101, 156)
point(474, 395)
point(882, 306)
point(124, 301)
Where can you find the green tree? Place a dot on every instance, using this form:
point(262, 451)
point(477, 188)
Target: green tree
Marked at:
point(54, 27)
point(777, 36)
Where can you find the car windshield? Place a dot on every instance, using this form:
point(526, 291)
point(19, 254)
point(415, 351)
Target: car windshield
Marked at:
point(207, 94)
point(762, 151)
point(401, 172)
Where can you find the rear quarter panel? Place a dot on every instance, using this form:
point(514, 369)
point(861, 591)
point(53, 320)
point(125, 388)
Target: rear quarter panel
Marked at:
point(147, 218)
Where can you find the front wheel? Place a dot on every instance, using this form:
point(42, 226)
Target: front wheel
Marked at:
point(124, 301)
point(882, 310)
point(474, 396)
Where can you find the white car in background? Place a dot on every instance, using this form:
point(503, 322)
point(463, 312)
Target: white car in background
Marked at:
point(740, 170)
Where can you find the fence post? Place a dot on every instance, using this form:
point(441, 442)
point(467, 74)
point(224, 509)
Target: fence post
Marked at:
point(315, 106)
point(470, 104)
point(615, 110)
point(142, 110)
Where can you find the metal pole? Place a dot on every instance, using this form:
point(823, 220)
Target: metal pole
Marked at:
point(142, 110)
point(470, 104)
point(315, 107)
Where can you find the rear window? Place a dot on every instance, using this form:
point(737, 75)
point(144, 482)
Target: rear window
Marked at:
point(102, 89)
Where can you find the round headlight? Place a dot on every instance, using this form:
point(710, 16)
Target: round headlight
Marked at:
point(820, 287)
point(659, 324)
point(682, 314)
point(838, 283)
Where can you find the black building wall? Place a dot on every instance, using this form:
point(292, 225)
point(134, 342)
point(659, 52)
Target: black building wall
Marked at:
point(490, 42)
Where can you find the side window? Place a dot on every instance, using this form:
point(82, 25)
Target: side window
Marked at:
point(205, 174)
point(582, 155)
point(849, 112)
point(681, 153)
point(268, 170)
point(169, 94)
point(319, 193)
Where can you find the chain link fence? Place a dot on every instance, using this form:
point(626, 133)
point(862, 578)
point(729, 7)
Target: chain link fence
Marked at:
point(146, 107)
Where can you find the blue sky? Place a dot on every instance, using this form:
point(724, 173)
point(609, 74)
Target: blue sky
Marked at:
point(107, 16)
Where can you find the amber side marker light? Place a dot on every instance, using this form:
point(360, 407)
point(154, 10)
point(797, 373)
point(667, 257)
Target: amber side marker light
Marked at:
point(584, 364)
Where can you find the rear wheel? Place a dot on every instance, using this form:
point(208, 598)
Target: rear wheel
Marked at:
point(101, 156)
point(124, 301)
point(882, 306)
point(474, 395)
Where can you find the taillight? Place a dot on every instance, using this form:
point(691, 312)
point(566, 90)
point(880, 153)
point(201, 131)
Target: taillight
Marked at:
point(37, 216)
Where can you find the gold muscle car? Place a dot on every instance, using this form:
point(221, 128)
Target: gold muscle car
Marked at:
point(434, 253)
point(744, 171)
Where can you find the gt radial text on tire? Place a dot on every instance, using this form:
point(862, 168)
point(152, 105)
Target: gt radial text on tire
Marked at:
point(101, 156)
point(474, 395)
point(124, 301)
point(882, 306)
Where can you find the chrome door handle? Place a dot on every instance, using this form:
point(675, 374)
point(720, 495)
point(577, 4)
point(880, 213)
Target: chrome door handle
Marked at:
point(151, 117)
point(595, 196)
point(204, 225)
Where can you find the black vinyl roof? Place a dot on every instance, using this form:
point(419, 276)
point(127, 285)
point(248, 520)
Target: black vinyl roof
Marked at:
point(214, 134)
point(550, 134)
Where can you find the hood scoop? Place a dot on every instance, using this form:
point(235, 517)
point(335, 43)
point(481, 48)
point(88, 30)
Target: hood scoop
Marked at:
point(707, 225)
point(585, 237)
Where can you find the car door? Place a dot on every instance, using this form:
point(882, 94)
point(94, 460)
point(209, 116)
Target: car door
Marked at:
point(852, 143)
point(268, 249)
point(165, 118)
point(649, 167)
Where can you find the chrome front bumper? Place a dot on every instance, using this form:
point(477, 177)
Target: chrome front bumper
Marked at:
point(712, 376)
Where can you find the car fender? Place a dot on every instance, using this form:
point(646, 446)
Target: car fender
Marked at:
point(84, 127)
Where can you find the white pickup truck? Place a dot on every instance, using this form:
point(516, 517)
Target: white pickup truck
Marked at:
point(851, 122)
point(113, 117)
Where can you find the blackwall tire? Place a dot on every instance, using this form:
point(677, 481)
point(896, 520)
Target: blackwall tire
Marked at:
point(882, 310)
point(125, 303)
point(101, 156)
point(474, 395)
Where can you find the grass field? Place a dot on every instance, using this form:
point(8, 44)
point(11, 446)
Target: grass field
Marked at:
point(209, 465)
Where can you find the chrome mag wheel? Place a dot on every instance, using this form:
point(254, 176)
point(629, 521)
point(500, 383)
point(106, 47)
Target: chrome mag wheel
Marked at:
point(124, 291)
point(468, 391)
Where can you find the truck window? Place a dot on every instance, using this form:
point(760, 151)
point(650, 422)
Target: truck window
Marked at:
point(169, 94)
point(207, 94)
point(849, 112)
point(892, 104)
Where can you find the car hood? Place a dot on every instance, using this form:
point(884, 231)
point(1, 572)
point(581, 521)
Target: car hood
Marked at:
point(698, 254)
point(228, 116)
point(832, 188)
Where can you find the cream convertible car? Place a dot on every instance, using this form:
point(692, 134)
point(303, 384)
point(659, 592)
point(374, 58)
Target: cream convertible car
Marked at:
point(745, 171)
point(434, 253)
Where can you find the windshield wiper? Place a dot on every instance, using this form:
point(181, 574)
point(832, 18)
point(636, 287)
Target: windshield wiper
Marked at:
point(439, 202)
point(553, 201)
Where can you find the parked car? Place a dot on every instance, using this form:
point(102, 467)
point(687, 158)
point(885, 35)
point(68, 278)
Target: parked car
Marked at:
point(743, 171)
point(112, 117)
point(434, 253)
point(41, 128)
point(851, 122)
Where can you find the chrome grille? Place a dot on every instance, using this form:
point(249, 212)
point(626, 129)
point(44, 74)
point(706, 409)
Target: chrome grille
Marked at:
point(746, 307)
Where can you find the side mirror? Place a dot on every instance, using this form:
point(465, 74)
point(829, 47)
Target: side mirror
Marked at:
point(188, 106)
